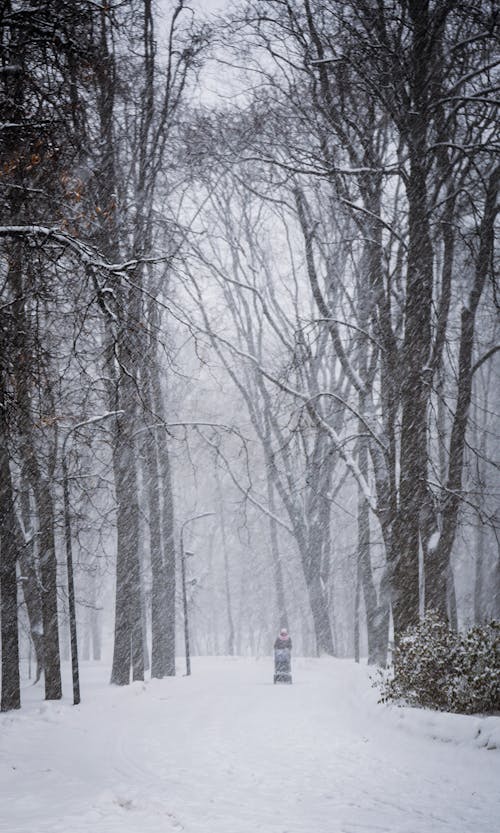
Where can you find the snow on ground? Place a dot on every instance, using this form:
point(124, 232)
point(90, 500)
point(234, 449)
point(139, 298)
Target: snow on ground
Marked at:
point(226, 751)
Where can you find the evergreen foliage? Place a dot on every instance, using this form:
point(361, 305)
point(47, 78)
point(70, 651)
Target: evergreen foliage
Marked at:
point(438, 668)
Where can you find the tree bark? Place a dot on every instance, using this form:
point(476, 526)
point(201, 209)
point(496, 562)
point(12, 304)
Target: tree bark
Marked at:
point(30, 583)
point(479, 558)
point(279, 585)
point(167, 521)
point(158, 578)
point(11, 692)
point(128, 646)
point(415, 388)
point(439, 566)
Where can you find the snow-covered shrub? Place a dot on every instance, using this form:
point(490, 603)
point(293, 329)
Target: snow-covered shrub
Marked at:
point(435, 667)
point(477, 688)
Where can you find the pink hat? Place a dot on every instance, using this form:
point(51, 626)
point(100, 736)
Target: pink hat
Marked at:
point(283, 632)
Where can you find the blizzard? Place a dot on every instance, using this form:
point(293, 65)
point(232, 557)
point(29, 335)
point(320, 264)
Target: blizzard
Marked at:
point(226, 751)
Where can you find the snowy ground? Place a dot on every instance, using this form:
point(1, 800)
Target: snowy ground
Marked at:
point(225, 751)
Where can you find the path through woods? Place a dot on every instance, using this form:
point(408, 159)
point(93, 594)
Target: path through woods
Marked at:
point(225, 751)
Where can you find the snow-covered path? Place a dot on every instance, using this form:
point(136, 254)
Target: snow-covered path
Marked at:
point(225, 751)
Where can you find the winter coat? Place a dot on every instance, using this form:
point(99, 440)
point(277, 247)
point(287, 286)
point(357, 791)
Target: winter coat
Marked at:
point(283, 642)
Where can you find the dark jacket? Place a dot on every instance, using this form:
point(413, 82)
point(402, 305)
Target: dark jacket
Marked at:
point(283, 642)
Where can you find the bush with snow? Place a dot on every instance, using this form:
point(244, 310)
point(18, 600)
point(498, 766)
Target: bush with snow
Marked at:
point(437, 668)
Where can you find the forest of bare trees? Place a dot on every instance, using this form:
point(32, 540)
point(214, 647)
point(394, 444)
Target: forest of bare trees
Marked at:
point(248, 328)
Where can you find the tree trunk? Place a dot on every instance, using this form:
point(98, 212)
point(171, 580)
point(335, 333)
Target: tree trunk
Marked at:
point(451, 502)
point(227, 587)
point(11, 692)
point(96, 634)
point(452, 599)
point(128, 647)
point(415, 387)
point(414, 399)
point(479, 553)
point(357, 602)
point(369, 298)
point(41, 488)
point(377, 612)
point(319, 608)
point(13, 140)
point(167, 522)
point(30, 582)
point(158, 582)
point(48, 576)
point(279, 585)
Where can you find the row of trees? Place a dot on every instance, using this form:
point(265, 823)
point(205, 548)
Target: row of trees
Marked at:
point(320, 249)
point(90, 122)
point(370, 137)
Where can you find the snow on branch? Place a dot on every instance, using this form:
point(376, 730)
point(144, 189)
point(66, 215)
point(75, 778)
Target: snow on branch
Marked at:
point(87, 254)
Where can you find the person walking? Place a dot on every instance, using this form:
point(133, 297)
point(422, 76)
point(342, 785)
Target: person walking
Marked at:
point(283, 657)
